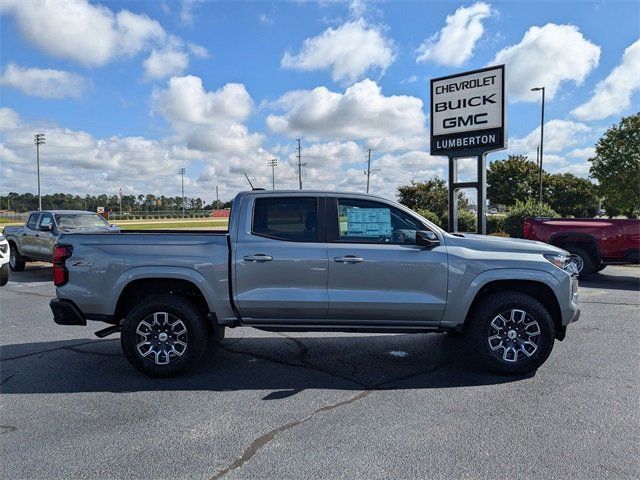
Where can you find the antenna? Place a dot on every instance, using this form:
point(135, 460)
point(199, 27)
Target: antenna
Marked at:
point(247, 177)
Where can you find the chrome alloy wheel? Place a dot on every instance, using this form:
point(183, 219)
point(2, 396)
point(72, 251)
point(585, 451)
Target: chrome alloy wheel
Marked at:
point(161, 337)
point(577, 263)
point(12, 258)
point(513, 335)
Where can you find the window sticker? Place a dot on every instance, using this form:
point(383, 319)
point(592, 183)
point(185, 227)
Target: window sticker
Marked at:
point(368, 222)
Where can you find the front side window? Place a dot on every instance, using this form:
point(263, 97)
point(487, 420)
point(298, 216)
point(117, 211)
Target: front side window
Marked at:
point(289, 219)
point(45, 220)
point(33, 221)
point(364, 221)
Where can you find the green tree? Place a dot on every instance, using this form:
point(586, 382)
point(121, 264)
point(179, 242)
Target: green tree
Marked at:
point(512, 179)
point(616, 166)
point(571, 195)
point(431, 195)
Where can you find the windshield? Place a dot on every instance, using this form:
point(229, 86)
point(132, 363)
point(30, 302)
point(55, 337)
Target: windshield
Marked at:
point(70, 221)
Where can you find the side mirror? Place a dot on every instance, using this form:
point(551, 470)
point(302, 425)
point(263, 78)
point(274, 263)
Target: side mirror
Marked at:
point(426, 238)
point(46, 228)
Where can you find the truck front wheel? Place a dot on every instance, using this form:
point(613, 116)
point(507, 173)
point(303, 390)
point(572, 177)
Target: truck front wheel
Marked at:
point(511, 332)
point(164, 335)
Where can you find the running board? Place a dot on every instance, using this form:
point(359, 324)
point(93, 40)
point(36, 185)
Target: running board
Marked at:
point(105, 332)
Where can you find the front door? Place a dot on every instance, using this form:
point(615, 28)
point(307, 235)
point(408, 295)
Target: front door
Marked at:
point(27, 241)
point(280, 259)
point(376, 270)
point(43, 238)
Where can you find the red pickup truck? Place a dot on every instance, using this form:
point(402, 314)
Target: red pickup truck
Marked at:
point(595, 242)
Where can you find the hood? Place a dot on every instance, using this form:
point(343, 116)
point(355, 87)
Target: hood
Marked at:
point(500, 244)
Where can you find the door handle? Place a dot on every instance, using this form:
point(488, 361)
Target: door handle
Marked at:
point(37, 236)
point(24, 234)
point(348, 259)
point(258, 257)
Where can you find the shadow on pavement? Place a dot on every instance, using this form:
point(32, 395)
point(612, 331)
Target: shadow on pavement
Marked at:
point(282, 365)
point(614, 282)
point(39, 272)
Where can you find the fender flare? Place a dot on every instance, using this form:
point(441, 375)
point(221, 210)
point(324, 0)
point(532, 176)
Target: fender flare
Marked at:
point(150, 273)
point(456, 317)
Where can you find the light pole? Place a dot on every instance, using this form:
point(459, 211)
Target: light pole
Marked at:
point(39, 139)
point(536, 89)
point(181, 172)
point(273, 163)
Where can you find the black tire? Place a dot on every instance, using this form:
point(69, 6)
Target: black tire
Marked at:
point(600, 267)
point(585, 259)
point(134, 333)
point(499, 359)
point(4, 274)
point(16, 261)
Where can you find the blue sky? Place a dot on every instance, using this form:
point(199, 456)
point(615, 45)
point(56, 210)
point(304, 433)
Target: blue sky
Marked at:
point(127, 92)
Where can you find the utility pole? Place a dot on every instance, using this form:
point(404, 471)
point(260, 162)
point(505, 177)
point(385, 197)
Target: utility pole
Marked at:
point(536, 89)
point(538, 155)
point(273, 163)
point(217, 199)
point(368, 171)
point(39, 139)
point(120, 201)
point(181, 172)
point(299, 164)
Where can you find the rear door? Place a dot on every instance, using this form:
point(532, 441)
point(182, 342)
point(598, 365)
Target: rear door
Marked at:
point(376, 270)
point(27, 238)
point(280, 258)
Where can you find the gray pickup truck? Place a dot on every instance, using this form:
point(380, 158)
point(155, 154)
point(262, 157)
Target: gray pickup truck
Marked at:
point(315, 261)
point(34, 241)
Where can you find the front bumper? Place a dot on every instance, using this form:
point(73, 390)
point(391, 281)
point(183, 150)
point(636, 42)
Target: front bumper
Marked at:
point(65, 312)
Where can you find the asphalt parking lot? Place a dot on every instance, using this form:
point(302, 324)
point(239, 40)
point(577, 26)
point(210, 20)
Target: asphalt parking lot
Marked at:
point(265, 405)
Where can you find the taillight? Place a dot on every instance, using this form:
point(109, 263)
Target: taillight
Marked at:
point(60, 272)
point(527, 227)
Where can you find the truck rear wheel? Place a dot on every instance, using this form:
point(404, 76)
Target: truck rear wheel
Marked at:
point(511, 332)
point(16, 262)
point(4, 274)
point(164, 335)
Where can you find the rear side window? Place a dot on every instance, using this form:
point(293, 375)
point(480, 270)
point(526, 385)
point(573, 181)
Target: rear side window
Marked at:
point(289, 219)
point(33, 221)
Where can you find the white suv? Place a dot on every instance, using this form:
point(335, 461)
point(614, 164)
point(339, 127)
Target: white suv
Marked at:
point(4, 260)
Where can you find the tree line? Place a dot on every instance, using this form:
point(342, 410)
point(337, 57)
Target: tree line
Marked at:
point(24, 202)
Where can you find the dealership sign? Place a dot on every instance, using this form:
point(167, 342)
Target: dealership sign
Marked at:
point(467, 113)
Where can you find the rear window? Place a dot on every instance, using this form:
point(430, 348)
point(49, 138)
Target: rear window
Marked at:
point(289, 219)
point(70, 221)
point(33, 221)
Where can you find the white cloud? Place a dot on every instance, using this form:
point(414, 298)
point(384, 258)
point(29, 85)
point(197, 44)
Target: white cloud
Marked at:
point(186, 11)
point(207, 121)
point(454, 44)
point(613, 94)
point(349, 51)
point(361, 113)
point(558, 136)
point(167, 62)
point(582, 153)
point(547, 56)
point(45, 83)
point(91, 35)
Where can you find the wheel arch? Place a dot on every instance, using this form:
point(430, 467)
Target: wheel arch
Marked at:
point(136, 285)
point(566, 240)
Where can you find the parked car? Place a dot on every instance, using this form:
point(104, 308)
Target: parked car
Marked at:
point(34, 241)
point(594, 242)
point(315, 261)
point(4, 261)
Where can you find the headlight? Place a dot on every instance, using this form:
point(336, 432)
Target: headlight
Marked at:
point(560, 260)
